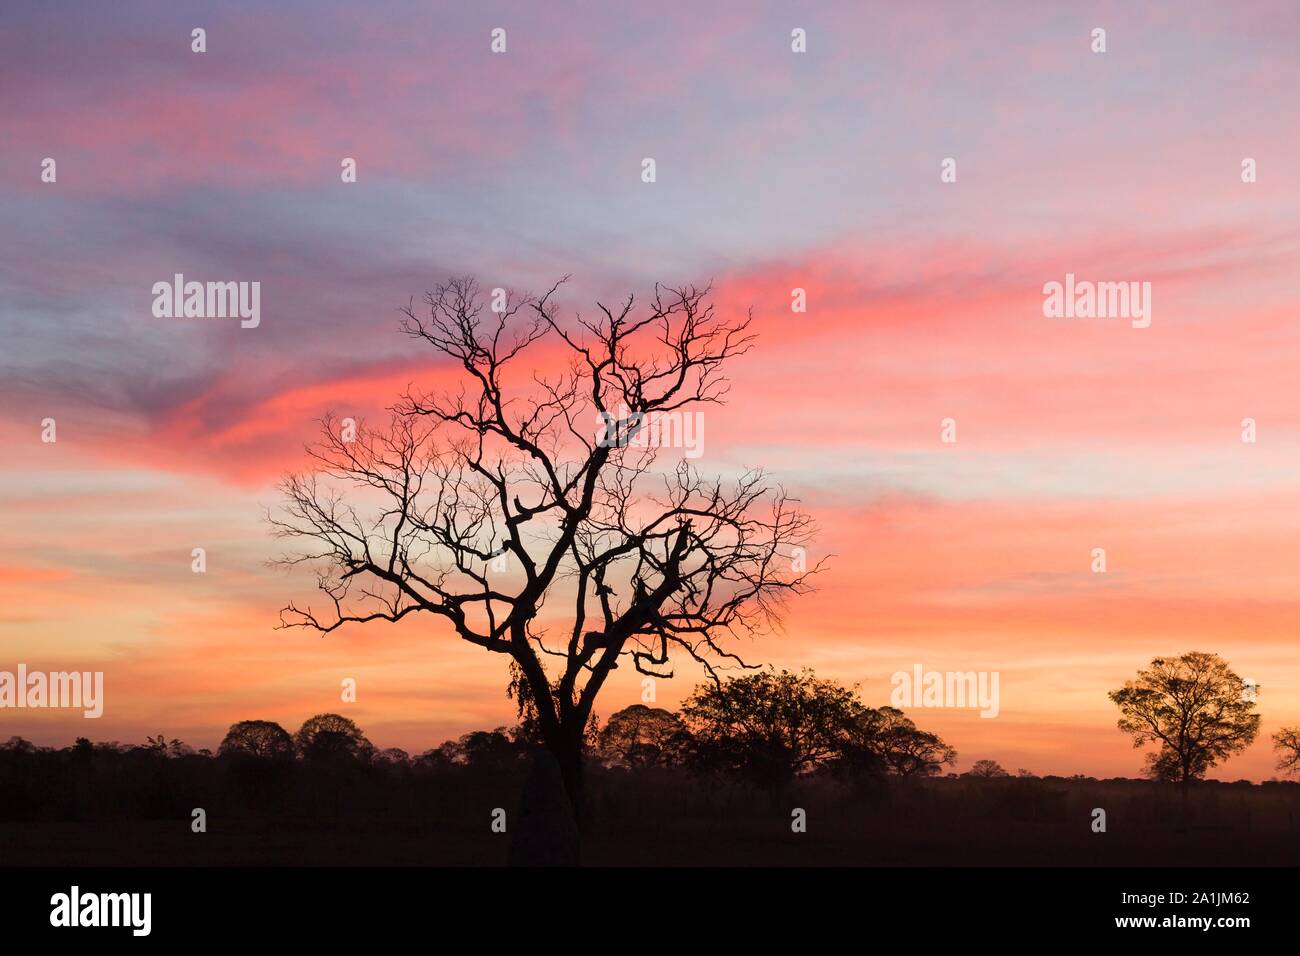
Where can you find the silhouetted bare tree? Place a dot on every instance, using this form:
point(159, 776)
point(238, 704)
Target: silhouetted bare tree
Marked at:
point(552, 471)
point(1194, 707)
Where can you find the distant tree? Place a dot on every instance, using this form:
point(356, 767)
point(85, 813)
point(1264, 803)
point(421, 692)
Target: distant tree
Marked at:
point(435, 758)
point(166, 748)
point(886, 740)
point(332, 737)
point(1025, 774)
point(987, 768)
point(770, 728)
point(1194, 708)
point(1287, 743)
point(18, 745)
point(262, 739)
point(481, 748)
point(393, 757)
point(641, 736)
point(484, 748)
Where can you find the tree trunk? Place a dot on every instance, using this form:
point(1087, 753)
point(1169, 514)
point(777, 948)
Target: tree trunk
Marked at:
point(1185, 786)
point(568, 753)
point(546, 834)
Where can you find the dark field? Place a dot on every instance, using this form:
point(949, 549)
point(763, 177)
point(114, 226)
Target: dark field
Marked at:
point(668, 818)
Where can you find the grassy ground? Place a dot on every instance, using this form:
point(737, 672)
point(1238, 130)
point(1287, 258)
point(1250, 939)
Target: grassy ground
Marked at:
point(669, 820)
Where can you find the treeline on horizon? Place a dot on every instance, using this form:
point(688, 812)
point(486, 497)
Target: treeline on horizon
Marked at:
point(762, 733)
point(801, 728)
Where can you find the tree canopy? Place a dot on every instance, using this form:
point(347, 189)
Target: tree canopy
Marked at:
point(774, 727)
point(263, 739)
point(533, 454)
point(332, 737)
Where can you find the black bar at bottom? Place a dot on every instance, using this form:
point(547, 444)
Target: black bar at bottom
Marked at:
point(603, 905)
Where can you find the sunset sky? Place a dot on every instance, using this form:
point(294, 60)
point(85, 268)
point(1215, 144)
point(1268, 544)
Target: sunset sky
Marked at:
point(775, 170)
